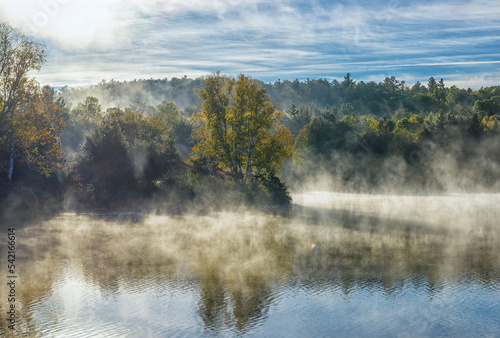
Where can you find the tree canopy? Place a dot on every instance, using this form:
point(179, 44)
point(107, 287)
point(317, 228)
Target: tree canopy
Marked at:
point(30, 118)
point(127, 154)
point(233, 135)
point(238, 128)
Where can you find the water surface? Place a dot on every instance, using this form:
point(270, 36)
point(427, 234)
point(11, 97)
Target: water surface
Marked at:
point(337, 265)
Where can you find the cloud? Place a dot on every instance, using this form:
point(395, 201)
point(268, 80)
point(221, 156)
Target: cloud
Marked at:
point(71, 24)
point(457, 11)
point(285, 38)
point(475, 80)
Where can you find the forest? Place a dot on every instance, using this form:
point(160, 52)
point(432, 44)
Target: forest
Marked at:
point(179, 144)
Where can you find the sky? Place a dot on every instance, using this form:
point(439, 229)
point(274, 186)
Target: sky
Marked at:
point(89, 41)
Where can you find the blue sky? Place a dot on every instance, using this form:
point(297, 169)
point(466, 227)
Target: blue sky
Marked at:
point(88, 41)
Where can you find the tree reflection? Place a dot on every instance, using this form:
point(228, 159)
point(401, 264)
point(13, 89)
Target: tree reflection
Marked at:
point(213, 306)
point(240, 265)
point(224, 306)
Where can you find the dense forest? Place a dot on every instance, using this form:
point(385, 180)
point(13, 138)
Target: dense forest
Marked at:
point(352, 136)
point(189, 144)
point(383, 99)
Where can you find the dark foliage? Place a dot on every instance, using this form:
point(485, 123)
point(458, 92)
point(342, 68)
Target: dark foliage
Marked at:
point(128, 157)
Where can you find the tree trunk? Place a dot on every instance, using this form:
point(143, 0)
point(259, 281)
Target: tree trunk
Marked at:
point(11, 164)
point(249, 160)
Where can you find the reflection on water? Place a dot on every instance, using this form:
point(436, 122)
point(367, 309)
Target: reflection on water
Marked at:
point(384, 265)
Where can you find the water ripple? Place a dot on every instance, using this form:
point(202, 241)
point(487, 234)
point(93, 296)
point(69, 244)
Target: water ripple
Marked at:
point(243, 278)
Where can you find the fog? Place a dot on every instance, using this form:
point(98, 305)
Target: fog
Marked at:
point(460, 165)
point(148, 93)
point(202, 207)
point(237, 264)
point(124, 241)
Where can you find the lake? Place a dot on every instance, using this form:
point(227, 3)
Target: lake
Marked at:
point(336, 265)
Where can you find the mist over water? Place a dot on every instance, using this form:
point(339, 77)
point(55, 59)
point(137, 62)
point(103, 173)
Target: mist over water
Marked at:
point(337, 264)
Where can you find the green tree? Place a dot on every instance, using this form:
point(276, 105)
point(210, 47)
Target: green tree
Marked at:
point(487, 107)
point(81, 120)
point(418, 88)
point(440, 92)
point(440, 120)
point(169, 113)
point(475, 126)
point(299, 117)
point(330, 113)
point(392, 85)
point(458, 97)
point(182, 129)
point(348, 82)
point(410, 128)
point(88, 109)
point(432, 84)
point(128, 154)
point(139, 105)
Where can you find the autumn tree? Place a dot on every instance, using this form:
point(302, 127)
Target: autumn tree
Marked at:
point(239, 128)
point(37, 128)
point(21, 100)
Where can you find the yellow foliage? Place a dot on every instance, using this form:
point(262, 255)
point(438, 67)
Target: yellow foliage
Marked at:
point(238, 127)
point(375, 126)
point(409, 129)
point(490, 123)
point(36, 132)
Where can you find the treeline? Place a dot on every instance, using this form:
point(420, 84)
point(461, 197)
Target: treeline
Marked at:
point(227, 154)
point(183, 144)
point(382, 99)
point(53, 156)
point(143, 95)
point(439, 153)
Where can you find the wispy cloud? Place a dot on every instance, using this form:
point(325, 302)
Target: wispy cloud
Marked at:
point(285, 38)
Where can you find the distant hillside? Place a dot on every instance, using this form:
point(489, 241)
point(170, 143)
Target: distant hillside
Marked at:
point(384, 99)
